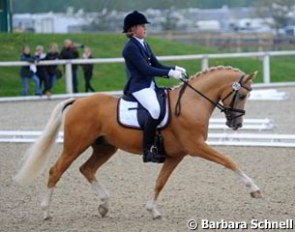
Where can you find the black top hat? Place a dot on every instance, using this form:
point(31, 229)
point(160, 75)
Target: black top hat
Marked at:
point(133, 19)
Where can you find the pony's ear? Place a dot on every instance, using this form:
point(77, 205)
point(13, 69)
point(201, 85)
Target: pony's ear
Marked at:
point(252, 76)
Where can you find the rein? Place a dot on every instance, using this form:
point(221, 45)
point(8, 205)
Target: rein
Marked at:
point(227, 110)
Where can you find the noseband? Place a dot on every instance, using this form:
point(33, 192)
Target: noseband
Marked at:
point(230, 112)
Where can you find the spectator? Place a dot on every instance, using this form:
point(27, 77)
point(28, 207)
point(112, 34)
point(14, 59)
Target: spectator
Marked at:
point(88, 70)
point(69, 52)
point(28, 73)
point(42, 70)
point(52, 70)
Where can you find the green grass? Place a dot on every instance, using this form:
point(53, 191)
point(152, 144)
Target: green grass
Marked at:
point(112, 76)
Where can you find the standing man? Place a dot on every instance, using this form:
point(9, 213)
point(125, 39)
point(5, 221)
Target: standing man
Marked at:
point(70, 52)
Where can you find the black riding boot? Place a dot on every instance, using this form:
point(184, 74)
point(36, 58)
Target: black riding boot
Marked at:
point(149, 132)
point(150, 151)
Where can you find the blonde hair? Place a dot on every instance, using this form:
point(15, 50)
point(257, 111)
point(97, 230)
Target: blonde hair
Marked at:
point(87, 49)
point(40, 47)
point(53, 47)
point(130, 32)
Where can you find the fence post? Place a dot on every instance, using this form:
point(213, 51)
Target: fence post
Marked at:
point(205, 62)
point(266, 69)
point(69, 80)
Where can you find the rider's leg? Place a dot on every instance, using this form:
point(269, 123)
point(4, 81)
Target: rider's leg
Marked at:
point(149, 132)
point(148, 99)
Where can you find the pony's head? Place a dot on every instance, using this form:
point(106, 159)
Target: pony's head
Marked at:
point(234, 100)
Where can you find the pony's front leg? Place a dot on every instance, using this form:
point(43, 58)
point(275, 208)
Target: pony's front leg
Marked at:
point(168, 167)
point(254, 189)
point(205, 151)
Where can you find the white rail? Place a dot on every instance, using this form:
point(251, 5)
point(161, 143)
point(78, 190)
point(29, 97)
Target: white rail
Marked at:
point(259, 140)
point(248, 124)
point(265, 95)
point(204, 59)
point(246, 120)
point(220, 139)
point(268, 95)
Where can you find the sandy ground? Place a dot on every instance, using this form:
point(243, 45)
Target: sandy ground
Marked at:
point(197, 190)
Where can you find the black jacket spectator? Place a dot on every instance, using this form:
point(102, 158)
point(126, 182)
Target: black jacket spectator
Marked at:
point(70, 53)
point(88, 70)
point(25, 70)
point(51, 69)
point(42, 69)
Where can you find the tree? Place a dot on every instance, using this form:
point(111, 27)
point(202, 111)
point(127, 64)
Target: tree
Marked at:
point(171, 20)
point(33, 6)
point(279, 10)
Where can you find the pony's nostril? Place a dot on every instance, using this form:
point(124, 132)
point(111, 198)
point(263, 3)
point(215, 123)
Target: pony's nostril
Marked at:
point(239, 125)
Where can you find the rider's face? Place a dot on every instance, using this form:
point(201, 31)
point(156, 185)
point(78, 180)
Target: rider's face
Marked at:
point(140, 31)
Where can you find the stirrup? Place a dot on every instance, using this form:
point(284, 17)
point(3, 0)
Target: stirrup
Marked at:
point(154, 149)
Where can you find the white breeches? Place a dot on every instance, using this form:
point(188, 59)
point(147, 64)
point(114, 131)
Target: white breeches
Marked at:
point(148, 99)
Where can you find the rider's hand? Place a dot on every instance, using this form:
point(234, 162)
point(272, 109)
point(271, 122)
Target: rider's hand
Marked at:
point(181, 69)
point(175, 74)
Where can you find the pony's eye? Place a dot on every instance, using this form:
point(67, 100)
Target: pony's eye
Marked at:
point(242, 97)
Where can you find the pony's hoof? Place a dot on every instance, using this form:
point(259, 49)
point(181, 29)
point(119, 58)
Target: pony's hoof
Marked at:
point(47, 217)
point(103, 210)
point(256, 194)
point(157, 217)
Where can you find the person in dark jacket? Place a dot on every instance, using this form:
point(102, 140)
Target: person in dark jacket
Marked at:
point(52, 70)
point(69, 52)
point(42, 70)
point(142, 67)
point(87, 70)
point(28, 73)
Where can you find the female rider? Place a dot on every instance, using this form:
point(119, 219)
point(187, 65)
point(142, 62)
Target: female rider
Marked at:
point(142, 67)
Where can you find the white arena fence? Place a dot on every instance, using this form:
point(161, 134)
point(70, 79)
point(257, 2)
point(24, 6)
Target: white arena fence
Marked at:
point(253, 136)
point(256, 94)
point(203, 57)
point(220, 139)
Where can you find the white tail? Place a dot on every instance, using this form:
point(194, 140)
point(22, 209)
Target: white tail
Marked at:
point(37, 155)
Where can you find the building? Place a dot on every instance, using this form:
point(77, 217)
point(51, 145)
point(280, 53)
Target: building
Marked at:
point(189, 20)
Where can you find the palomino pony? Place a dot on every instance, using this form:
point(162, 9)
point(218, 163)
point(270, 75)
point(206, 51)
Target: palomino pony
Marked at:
point(92, 121)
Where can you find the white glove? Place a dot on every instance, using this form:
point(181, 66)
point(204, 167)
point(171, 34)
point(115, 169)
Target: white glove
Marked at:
point(175, 74)
point(183, 70)
point(33, 68)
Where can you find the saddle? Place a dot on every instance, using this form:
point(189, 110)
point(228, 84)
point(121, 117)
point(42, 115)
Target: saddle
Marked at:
point(132, 114)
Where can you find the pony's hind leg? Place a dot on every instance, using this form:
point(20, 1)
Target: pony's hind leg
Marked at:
point(101, 153)
point(69, 154)
point(55, 172)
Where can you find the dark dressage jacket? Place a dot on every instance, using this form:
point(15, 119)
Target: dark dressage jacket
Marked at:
point(142, 66)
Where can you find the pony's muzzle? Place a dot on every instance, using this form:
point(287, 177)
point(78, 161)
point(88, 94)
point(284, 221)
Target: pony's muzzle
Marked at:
point(234, 124)
point(237, 126)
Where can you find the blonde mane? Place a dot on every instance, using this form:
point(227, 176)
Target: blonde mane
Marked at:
point(211, 69)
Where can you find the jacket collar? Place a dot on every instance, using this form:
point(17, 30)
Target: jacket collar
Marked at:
point(141, 41)
point(145, 50)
